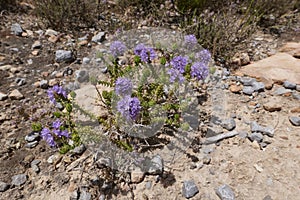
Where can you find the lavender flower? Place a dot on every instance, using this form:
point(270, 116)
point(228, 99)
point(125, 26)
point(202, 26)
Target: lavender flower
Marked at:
point(204, 56)
point(179, 63)
point(199, 70)
point(56, 91)
point(117, 48)
point(146, 54)
point(190, 41)
point(61, 133)
point(123, 87)
point(56, 124)
point(47, 136)
point(175, 74)
point(129, 107)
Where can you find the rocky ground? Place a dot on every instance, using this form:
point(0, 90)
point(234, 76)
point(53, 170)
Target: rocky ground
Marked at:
point(250, 148)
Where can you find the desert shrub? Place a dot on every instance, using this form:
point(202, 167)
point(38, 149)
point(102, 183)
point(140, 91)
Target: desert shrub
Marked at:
point(224, 25)
point(68, 14)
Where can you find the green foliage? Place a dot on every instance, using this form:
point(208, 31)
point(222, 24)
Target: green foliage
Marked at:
point(68, 14)
point(36, 126)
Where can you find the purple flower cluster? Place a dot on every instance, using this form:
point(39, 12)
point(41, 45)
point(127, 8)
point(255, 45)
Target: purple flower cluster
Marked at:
point(190, 41)
point(178, 65)
point(129, 107)
point(48, 136)
point(204, 56)
point(117, 48)
point(123, 87)
point(146, 54)
point(55, 92)
point(199, 70)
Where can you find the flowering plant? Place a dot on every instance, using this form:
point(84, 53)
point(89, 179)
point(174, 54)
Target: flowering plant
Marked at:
point(146, 90)
point(61, 132)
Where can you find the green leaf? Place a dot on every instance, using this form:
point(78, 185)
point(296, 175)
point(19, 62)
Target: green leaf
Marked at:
point(36, 126)
point(57, 114)
point(69, 107)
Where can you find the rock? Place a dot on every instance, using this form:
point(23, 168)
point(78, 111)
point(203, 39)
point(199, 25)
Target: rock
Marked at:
point(20, 81)
point(31, 144)
point(295, 120)
point(298, 88)
point(53, 158)
point(296, 95)
point(235, 88)
point(50, 32)
point(35, 168)
point(248, 90)
point(100, 37)
point(206, 159)
point(86, 60)
point(82, 76)
point(279, 67)
point(295, 110)
point(84, 195)
point(217, 138)
point(53, 82)
point(268, 197)
point(63, 56)
point(19, 179)
point(256, 136)
point(269, 131)
point(247, 81)
point(243, 134)
point(83, 43)
point(3, 96)
point(282, 91)
point(289, 85)
point(229, 124)
point(16, 29)
point(272, 105)
point(258, 86)
point(35, 162)
point(16, 95)
point(137, 175)
point(79, 149)
point(156, 165)
point(36, 45)
point(3, 186)
point(224, 192)
point(44, 84)
point(189, 189)
point(35, 52)
point(53, 38)
point(268, 83)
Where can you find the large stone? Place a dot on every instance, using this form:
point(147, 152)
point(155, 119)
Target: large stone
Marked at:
point(295, 120)
point(63, 56)
point(272, 105)
point(189, 189)
point(225, 193)
point(228, 124)
point(16, 95)
point(3, 96)
point(100, 37)
point(279, 67)
point(3, 186)
point(255, 127)
point(16, 29)
point(156, 165)
point(19, 179)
